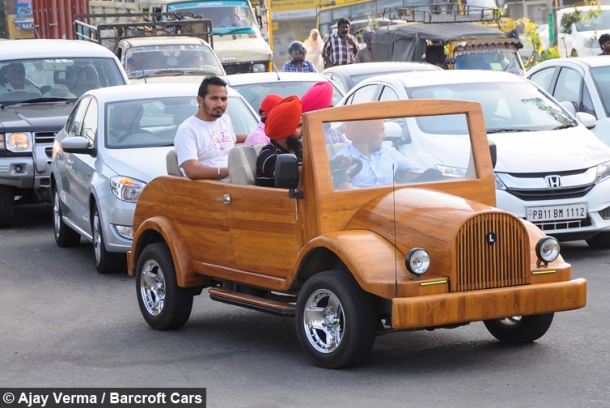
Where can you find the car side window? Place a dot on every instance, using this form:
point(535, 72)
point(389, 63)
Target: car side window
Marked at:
point(388, 94)
point(568, 87)
point(543, 78)
point(76, 118)
point(89, 128)
point(364, 94)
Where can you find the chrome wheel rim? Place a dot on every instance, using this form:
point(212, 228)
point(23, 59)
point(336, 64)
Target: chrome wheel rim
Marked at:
point(324, 321)
point(97, 238)
point(56, 214)
point(152, 287)
point(510, 321)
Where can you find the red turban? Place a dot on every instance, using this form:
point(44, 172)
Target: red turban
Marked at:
point(269, 103)
point(319, 96)
point(363, 130)
point(284, 118)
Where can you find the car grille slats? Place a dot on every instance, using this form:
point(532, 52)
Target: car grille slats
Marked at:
point(482, 262)
point(550, 194)
point(44, 137)
point(563, 224)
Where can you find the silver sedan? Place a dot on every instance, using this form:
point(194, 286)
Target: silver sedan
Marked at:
point(114, 142)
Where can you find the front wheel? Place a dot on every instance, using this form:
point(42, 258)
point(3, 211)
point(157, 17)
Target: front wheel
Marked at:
point(64, 235)
point(164, 305)
point(335, 319)
point(7, 206)
point(520, 329)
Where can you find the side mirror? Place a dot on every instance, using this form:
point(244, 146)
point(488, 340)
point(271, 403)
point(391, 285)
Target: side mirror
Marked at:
point(494, 153)
point(77, 144)
point(569, 106)
point(286, 171)
point(588, 120)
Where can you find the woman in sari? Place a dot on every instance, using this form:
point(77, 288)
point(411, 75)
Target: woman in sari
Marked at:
point(314, 46)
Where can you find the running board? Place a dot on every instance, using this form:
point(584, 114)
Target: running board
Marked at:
point(251, 302)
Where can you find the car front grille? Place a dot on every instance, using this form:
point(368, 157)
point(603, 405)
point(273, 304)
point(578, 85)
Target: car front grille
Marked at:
point(563, 224)
point(44, 137)
point(550, 194)
point(483, 263)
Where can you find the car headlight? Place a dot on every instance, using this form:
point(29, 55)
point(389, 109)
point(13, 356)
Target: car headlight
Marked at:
point(417, 261)
point(451, 171)
point(19, 142)
point(258, 68)
point(547, 249)
point(499, 183)
point(126, 188)
point(603, 172)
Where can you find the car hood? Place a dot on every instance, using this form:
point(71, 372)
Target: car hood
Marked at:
point(247, 49)
point(178, 79)
point(143, 163)
point(548, 151)
point(40, 116)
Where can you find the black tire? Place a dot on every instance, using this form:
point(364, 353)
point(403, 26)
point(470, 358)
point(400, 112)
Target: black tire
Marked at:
point(520, 329)
point(164, 305)
point(7, 206)
point(64, 235)
point(105, 262)
point(600, 241)
point(355, 321)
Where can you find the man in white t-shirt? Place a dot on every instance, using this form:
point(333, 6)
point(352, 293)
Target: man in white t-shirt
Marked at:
point(203, 141)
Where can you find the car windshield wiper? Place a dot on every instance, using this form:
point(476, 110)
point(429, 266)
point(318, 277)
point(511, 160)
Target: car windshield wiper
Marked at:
point(571, 125)
point(507, 130)
point(53, 99)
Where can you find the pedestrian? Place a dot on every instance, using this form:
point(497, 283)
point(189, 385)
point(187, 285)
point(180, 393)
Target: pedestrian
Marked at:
point(203, 140)
point(314, 46)
point(297, 63)
point(258, 136)
point(364, 53)
point(604, 43)
point(341, 47)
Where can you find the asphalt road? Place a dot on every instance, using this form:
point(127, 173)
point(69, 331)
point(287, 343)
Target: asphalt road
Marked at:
point(64, 325)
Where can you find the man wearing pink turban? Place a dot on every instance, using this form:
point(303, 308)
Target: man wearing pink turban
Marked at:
point(320, 96)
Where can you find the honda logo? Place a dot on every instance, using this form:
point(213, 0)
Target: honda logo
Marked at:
point(553, 181)
point(490, 238)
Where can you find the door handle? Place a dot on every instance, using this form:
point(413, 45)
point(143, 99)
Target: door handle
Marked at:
point(225, 199)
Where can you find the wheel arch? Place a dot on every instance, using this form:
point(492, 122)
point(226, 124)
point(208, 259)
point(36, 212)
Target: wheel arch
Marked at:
point(159, 229)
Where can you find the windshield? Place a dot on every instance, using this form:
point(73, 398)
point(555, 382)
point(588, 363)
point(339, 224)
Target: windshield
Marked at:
point(168, 59)
point(385, 152)
point(228, 16)
point(255, 93)
point(153, 122)
point(507, 107)
point(601, 22)
point(601, 77)
point(493, 59)
point(27, 79)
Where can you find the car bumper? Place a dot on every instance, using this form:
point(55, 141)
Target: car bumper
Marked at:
point(463, 307)
point(598, 200)
point(21, 172)
point(115, 212)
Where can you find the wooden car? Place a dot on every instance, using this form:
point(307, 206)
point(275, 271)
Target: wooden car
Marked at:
point(350, 254)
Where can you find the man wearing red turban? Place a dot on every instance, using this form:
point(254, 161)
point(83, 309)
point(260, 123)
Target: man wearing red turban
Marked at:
point(283, 127)
point(380, 163)
point(258, 136)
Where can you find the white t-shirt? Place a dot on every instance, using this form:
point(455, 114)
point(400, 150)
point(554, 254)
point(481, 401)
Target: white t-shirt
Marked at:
point(207, 142)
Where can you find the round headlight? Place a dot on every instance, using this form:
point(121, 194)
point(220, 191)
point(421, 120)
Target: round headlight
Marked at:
point(547, 249)
point(418, 261)
point(19, 142)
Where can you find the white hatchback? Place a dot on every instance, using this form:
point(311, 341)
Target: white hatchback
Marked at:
point(551, 170)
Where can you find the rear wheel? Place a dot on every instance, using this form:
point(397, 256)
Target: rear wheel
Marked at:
point(600, 241)
point(520, 329)
point(336, 320)
point(105, 262)
point(163, 304)
point(7, 206)
point(64, 235)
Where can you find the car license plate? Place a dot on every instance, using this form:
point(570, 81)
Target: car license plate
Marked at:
point(557, 212)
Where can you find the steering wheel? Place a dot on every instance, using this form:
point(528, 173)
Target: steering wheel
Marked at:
point(344, 169)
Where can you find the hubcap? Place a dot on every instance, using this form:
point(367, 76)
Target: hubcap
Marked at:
point(97, 238)
point(152, 287)
point(56, 214)
point(510, 321)
point(324, 321)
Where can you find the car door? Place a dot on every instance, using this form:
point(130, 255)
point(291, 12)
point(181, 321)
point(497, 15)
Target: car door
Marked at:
point(83, 168)
point(365, 93)
point(65, 161)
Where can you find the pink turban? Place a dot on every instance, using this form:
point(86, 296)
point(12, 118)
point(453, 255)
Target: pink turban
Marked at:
point(319, 96)
point(284, 118)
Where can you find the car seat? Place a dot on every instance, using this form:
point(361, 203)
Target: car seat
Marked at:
point(86, 79)
point(171, 162)
point(242, 164)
